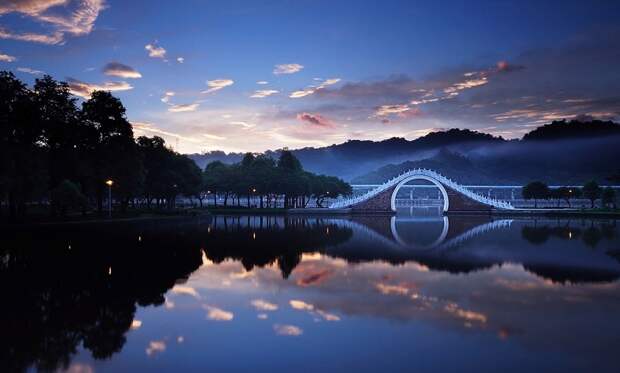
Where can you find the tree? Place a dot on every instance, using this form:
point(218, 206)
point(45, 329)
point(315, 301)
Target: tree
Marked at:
point(23, 168)
point(215, 179)
point(535, 190)
point(114, 154)
point(61, 128)
point(189, 177)
point(289, 162)
point(592, 191)
point(567, 193)
point(609, 197)
point(556, 194)
point(67, 196)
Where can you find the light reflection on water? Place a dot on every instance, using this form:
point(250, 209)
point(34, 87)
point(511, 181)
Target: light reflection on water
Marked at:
point(422, 292)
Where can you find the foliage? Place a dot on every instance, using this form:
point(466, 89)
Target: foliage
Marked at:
point(566, 194)
point(592, 191)
point(48, 146)
point(608, 197)
point(535, 190)
point(261, 176)
point(67, 196)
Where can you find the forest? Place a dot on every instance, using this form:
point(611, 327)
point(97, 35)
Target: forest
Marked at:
point(64, 157)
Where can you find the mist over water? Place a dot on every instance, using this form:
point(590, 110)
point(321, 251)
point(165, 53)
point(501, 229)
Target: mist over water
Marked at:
point(237, 292)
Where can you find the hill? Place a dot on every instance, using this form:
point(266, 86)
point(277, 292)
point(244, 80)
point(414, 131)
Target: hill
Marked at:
point(356, 157)
point(560, 152)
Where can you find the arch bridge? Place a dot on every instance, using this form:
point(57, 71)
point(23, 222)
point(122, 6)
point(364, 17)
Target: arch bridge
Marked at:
point(456, 198)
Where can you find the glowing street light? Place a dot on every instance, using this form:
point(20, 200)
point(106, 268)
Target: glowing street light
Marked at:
point(109, 183)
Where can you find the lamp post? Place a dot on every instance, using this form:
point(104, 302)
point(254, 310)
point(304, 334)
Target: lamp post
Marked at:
point(109, 183)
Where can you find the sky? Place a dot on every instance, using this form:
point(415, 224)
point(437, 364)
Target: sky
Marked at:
point(256, 75)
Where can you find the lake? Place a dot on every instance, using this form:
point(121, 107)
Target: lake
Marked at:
point(414, 292)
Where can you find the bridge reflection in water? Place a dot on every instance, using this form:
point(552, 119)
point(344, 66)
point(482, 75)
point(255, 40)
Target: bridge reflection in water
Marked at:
point(456, 244)
point(113, 274)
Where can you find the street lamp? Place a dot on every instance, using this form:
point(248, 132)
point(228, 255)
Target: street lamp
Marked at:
point(109, 183)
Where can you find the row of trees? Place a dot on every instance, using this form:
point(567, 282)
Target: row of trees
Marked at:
point(591, 191)
point(53, 151)
point(268, 181)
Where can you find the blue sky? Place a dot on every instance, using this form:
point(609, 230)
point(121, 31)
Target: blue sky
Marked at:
point(334, 70)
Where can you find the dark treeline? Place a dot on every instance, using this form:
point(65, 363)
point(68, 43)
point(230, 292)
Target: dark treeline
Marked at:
point(537, 190)
point(53, 152)
point(261, 177)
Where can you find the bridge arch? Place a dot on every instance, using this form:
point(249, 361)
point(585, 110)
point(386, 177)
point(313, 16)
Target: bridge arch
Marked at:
point(456, 198)
point(440, 239)
point(444, 192)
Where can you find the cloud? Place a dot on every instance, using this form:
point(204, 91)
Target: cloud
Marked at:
point(155, 51)
point(288, 330)
point(384, 110)
point(185, 290)
point(55, 38)
point(245, 125)
point(263, 305)
point(301, 305)
point(213, 137)
point(262, 82)
point(144, 128)
point(388, 289)
point(314, 119)
point(180, 108)
point(262, 93)
point(312, 89)
point(287, 68)
point(302, 93)
point(505, 67)
point(167, 95)
point(84, 90)
point(180, 59)
point(76, 20)
point(468, 315)
point(136, 324)
point(121, 71)
point(328, 316)
point(31, 7)
point(28, 70)
point(155, 347)
point(217, 84)
point(399, 110)
point(218, 314)
point(7, 58)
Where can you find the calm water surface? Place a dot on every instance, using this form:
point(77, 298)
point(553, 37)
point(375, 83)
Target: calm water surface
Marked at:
point(417, 292)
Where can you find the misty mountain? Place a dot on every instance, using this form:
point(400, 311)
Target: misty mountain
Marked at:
point(517, 163)
point(560, 153)
point(574, 129)
point(356, 157)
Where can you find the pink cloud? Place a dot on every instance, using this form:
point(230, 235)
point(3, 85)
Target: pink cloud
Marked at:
point(314, 119)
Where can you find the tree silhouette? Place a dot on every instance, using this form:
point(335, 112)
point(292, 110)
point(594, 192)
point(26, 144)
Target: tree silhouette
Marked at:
point(535, 190)
point(592, 191)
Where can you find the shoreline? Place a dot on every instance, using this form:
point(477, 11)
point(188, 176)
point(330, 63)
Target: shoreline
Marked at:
point(207, 212)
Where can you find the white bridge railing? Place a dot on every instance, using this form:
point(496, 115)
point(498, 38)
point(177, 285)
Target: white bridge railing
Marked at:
point(348, 202)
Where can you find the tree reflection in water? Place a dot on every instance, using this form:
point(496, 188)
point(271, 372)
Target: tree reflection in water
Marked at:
point(591, 232)
point(68, 286)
